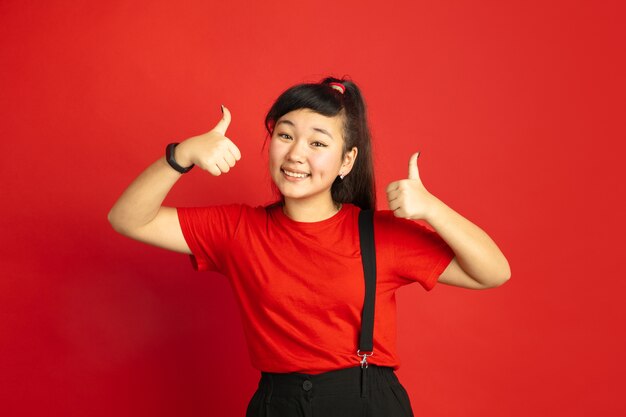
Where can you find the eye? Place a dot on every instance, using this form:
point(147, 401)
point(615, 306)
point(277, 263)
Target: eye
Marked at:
point(319, 144)
point(284, 136)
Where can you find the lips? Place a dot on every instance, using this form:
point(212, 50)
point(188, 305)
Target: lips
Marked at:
point(294, 173)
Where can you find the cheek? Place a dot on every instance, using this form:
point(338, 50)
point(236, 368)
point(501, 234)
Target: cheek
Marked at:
point(325, 163)
point(274, 153)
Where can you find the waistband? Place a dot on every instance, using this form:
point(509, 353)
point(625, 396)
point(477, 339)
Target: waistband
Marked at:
point(354, 380)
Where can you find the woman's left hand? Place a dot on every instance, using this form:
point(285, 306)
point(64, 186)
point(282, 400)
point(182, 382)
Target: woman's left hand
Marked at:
point(409, 198)
point(478, 262)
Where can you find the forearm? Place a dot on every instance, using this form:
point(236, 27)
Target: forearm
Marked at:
point(476, 253)
point(141, 201)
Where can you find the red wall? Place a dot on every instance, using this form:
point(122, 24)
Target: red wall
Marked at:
point(517, 108)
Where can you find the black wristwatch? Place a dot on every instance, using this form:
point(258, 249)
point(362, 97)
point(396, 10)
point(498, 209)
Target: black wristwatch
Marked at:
point(169, 157)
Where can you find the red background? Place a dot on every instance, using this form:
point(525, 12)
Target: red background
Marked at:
point(517, 108)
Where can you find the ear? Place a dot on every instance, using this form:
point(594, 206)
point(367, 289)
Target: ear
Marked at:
point(348, 161)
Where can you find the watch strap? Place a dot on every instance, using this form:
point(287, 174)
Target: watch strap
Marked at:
point(169, 157)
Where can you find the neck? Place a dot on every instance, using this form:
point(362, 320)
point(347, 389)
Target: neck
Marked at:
point(305, 211)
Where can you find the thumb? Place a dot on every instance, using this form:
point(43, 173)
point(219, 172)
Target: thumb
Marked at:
point(414, 173)
point(224, 122)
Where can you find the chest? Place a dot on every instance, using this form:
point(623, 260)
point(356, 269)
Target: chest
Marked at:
point(318, 271)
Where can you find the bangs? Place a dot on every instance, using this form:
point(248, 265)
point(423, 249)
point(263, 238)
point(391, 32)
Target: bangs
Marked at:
point(319, 98)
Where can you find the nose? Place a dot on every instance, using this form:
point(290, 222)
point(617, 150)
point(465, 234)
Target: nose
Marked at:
point(296, 152)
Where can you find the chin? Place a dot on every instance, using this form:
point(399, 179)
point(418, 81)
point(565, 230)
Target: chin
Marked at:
point(291, 194)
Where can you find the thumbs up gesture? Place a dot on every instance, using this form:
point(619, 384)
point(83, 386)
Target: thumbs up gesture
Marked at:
point(409, 198)
point(211, 151)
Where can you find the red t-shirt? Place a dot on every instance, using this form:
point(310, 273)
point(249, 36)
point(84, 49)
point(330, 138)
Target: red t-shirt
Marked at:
point(300, 286)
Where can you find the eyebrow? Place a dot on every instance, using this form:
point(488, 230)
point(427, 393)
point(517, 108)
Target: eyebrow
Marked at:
point(317, 129)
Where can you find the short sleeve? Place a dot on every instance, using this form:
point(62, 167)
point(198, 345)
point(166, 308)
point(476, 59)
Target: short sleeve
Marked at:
point(416, 253)
point(208, 232)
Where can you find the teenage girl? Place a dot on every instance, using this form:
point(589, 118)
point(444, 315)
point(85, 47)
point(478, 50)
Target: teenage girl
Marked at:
point(295, 266)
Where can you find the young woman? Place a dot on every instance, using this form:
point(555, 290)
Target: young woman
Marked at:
point(295, 266)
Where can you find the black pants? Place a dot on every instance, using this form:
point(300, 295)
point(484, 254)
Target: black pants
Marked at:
point(351, 392)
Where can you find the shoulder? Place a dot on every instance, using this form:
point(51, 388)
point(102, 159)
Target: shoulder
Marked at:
point(226, 213)
point(235, 208)
point(386, 219)
point(400, 230)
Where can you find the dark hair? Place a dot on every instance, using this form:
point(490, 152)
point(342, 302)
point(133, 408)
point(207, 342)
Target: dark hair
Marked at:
point(358, 187)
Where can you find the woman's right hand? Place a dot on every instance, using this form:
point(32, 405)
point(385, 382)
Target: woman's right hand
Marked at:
point(211, 151)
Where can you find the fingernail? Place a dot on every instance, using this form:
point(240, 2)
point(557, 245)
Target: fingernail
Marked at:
point(222, 108)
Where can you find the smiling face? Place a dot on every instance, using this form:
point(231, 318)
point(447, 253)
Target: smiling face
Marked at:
point(306, 155)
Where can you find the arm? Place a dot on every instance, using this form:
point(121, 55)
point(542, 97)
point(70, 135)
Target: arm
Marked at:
point(478, 262)
point(138, 212)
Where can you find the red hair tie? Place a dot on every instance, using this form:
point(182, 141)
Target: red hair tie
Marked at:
point(338, 86)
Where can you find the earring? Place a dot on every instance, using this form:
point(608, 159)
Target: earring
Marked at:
point(341, 176)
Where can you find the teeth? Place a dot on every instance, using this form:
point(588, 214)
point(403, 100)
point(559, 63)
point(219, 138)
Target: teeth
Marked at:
point(294, 174)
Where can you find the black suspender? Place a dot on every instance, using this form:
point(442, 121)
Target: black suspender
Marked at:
point(368, 257)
